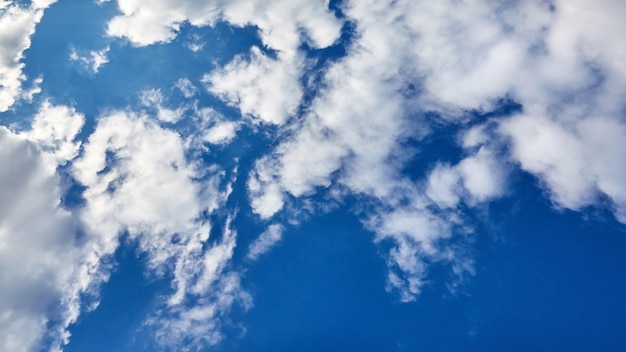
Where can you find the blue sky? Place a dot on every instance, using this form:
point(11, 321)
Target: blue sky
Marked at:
point(269, 175)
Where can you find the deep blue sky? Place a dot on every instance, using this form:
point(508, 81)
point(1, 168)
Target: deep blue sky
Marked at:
point(545, 281)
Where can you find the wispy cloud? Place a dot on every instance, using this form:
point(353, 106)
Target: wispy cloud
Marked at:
point(92, 60)
point(264, 243)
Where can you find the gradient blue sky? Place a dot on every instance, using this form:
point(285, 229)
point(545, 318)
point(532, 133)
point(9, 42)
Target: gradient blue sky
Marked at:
point(267, 175)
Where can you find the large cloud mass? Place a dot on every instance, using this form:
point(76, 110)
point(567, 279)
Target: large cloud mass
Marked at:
point(40, 256)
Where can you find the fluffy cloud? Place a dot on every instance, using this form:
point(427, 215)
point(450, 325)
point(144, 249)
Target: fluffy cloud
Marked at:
point(40, 256)
point(54, 128)
point(578, 162)
point(17, 25)
point(282, 24)
point(477, 178)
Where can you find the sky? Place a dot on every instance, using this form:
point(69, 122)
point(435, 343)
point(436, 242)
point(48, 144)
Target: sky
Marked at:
point(312, 175)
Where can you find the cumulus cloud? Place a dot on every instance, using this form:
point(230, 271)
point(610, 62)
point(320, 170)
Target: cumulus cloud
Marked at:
point(54, 128)
point(221, 133)
point(93, 60)
point(17, 25)
point(282, 24)
point(578, 162)
point(40, 257)
point(243, 83)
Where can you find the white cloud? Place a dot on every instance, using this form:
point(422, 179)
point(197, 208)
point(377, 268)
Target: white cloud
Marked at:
point(215, 289)
point(209, 126)
point(54, 128)
point(154, 99)
point(34, 255)
point(577, 162)
point(186, 87)
point(283, 24)
point(444, 186)
point(221, 133)
point(40, 258)
point(483, 176)
point(243, 83)
point(264, 243)
point(93, 60)
point(17, 25)
point(478, 178)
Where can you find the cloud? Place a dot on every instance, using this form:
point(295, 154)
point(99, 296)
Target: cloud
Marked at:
point(214, 289)
point(578, 163)
point(54, 128)
point(268, 239)
point(221, 133)
point(17, 25)
point(41, 258)
point(186, 87)
point(154, 99)
point(282, 25)
point(93, 60)
point(139, 181)
point(243, 83)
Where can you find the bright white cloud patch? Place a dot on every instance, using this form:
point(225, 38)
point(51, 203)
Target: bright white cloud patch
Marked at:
point(40, 257)
point(54, 128)
point(17, 25)
point(283, 25)
point(578, 163)
point(245, 84)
